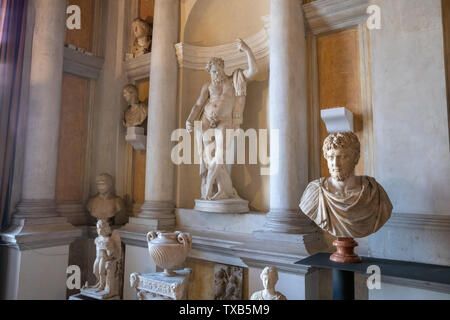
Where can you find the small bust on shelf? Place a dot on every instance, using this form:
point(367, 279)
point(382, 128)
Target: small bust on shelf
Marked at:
point(269, 278)
point(345, 205)
point(136, 113)
point(142, 34)
point(105, 205)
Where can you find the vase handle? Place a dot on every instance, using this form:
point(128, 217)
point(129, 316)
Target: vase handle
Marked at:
point(151, 235)
point(184, 238)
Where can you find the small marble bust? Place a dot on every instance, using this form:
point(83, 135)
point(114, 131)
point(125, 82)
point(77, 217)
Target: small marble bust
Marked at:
point(137, 111)
point(345, 205)
point(105, 205)
point(269, 277)
point(142, 33)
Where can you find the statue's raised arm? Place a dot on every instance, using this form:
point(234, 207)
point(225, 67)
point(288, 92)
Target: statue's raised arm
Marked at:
point(252, 66)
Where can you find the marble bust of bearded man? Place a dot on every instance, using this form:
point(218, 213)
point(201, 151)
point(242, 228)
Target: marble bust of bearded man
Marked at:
point(345, 205)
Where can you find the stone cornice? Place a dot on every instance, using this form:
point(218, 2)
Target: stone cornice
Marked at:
point(327, 15)
point(196, 57)
point(236, 249)
point(439, 287)
point(420, 221)
point(29, 234)
point(81, 64)
point(138, 68)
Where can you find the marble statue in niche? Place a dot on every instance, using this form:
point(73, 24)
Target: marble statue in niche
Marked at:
point(105, 205)
point(108, 264)
point(345, 205)
point(137, 111)
point(220, 107)
point(269, 278)
point(143, 37)
point(227, 282)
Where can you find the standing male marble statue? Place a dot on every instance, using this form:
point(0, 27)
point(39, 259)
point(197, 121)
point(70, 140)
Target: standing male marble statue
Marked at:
point(220, 107)
point(345, 205)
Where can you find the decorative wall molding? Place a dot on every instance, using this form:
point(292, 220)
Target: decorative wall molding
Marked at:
point(438, 287)
point(82, 65)
point(138, 68)
point(328, 15)
point(196, 57)
point(423, 238)
point(420, 221)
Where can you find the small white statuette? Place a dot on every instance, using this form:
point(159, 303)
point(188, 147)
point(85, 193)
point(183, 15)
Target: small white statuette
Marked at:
point(269, 278)
point(107, 266)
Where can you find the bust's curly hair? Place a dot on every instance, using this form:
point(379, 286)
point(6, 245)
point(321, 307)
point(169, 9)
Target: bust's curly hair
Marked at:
point(143, 23)
point(342, 140)
point(269, 270)
point(130, 87)
point(215, 61)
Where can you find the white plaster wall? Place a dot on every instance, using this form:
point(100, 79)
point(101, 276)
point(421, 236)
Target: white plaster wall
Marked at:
point(137, 259)
point(412, 159)
point(390, 291)
point(42, 273)
point(221, 21)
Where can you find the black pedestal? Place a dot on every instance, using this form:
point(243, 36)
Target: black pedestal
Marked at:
point(343, 285)
point(343, 273)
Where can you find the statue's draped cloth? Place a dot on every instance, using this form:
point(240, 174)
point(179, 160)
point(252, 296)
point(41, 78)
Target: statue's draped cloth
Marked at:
point(354, 215)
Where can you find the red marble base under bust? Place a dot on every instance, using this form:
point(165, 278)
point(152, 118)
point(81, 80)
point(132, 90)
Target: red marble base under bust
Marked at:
point(344, 252)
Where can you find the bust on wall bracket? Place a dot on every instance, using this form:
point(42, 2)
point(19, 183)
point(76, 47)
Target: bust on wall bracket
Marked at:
point(135, 118)
point(345, 205)
point(142, 31)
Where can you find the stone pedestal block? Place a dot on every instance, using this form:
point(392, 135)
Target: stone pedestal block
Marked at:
point(136, 136)
point(156, 286)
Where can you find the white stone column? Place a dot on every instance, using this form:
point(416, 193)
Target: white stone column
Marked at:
point(162, 119)
point(36, 223)
point(41, 147)
point(288, 114)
